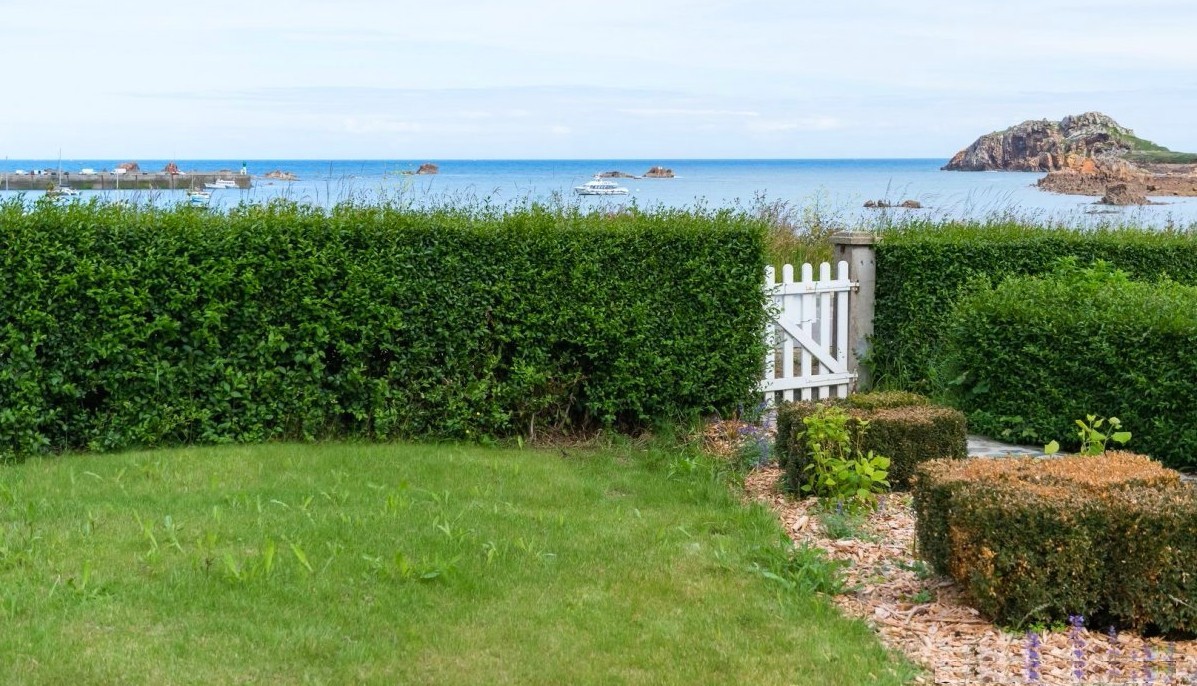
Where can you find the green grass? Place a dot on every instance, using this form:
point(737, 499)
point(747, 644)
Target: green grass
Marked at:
point(1146, 151)
point(445, 564)
point(1162, 157)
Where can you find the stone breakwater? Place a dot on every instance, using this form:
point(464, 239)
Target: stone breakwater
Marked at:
point(107, 181)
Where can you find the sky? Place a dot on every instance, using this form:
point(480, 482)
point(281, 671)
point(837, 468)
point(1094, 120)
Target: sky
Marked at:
point(610, 79)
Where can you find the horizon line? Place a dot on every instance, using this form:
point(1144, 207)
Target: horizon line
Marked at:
point(486, 159)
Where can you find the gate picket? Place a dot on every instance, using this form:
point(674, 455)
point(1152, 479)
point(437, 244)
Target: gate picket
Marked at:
point(809, 317)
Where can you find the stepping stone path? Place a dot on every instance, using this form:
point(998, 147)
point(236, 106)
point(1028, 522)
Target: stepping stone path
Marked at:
point(979, 446)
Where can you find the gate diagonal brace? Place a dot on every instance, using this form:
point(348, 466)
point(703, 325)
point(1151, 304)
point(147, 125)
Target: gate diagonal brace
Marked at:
point(809, 343)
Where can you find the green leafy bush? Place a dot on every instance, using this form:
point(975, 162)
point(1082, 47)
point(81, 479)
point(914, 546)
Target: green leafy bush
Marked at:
point(138, 327)
point(1093, 441)
point(924, 268)
point(1035, 353)
point(1111, 537)
point(836, 468)
point(902, 426)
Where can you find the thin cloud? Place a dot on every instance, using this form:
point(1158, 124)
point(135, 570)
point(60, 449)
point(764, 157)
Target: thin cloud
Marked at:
point(682, 112)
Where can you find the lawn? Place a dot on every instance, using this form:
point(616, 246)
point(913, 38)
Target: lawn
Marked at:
point(400, 563)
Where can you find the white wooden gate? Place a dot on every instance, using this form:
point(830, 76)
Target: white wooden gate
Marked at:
point(809, 336)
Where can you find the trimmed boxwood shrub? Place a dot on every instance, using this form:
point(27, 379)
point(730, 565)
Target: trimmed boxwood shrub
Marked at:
point(923, 268)
point(1111, 537)
point(901, 426)
point(1037, 353)
point(141, 327)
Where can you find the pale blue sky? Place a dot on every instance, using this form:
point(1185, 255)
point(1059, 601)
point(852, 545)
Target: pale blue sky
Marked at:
point(609, 79)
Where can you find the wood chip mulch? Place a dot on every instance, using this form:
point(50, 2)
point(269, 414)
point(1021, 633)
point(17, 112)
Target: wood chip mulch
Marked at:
point(947, 637)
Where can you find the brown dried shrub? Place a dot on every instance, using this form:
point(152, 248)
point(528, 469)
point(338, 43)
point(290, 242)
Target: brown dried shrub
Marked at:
point(1111, 537)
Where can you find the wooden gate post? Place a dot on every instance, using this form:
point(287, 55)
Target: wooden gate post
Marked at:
point(856, 248)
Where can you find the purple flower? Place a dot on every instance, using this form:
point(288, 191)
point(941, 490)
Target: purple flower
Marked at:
point(1170, 662)
point(1033, 658)
point(1114, 654)
point(1077, 638)
point(1148, 660)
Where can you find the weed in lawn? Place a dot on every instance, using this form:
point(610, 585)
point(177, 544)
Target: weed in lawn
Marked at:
point(301, 557)
point(401, 568)
point(798, 568)
point(493, 551)
point(172, 532)
point(147, 532)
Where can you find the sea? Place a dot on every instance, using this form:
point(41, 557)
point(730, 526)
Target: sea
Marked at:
point(836, 189)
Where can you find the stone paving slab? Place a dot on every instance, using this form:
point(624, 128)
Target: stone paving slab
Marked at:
point(979, 446)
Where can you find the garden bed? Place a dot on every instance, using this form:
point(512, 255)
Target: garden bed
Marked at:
point(950, 639)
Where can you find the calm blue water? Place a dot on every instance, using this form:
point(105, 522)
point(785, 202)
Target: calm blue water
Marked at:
point(837, 188)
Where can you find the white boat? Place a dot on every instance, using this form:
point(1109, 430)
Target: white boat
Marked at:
point(198, 198)
point(220, 184)
point(600, 186)
point(62, 192)
point(59, 190)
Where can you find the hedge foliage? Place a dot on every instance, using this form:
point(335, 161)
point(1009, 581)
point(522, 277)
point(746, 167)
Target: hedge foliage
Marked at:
point(924, 268)
point(140, 327)
point(1035, 354)
point(1111, 537)
point(901, 426)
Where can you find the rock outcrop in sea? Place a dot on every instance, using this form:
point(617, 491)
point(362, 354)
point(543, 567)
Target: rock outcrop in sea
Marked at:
point(659, 173)
point(1084, 154)
point(428, 168)
point(884, 204)
point(1044, 145)
point(615, 175)
point(1123, 194)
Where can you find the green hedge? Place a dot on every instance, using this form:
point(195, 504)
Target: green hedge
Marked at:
point(1113, 538)
point(901, 426)
point(139, 327)
point(924, 268)
point(1037, 353)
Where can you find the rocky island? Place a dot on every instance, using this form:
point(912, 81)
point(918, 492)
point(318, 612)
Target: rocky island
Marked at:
point(1084, 154)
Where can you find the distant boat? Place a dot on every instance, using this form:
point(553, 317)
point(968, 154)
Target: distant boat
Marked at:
point(600, 186)
point(198, 198)
point(220, 184)
point(61, 192)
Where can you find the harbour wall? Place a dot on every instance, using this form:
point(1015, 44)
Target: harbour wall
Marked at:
point(107, 181)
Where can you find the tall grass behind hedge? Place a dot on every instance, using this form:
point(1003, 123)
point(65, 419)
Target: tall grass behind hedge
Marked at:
point(924, 268)
point(139, 327)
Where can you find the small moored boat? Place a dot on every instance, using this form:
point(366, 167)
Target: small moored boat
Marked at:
point(600, 186)
point(221, 184)
point(198, 198)
point(62, 192)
